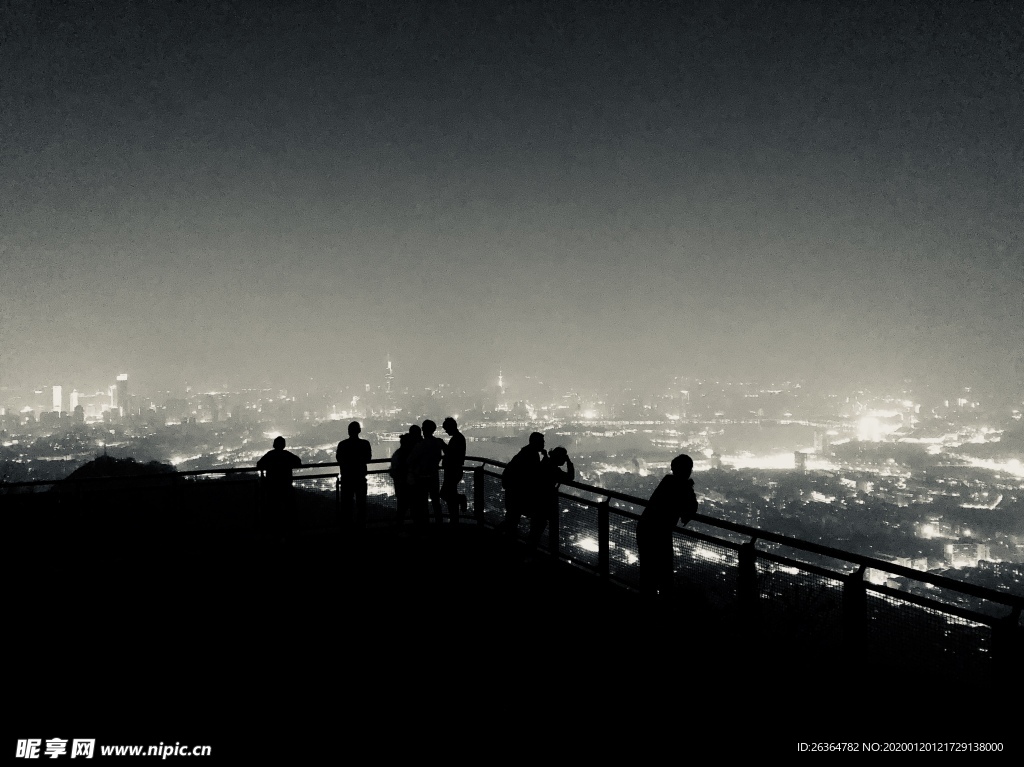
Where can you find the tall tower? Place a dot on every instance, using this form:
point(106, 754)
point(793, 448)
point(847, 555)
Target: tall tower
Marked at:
point(58, 396)
point(389, 401)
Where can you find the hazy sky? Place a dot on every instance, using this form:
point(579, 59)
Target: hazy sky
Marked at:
point(231, 192)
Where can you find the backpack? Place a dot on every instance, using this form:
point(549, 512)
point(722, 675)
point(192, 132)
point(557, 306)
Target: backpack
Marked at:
point(511, 478)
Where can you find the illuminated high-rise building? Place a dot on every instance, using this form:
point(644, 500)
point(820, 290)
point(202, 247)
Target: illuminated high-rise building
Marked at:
point(39, 401)
point(121, 394)
point(389, 402)
point(74, 400)
point(58, 396)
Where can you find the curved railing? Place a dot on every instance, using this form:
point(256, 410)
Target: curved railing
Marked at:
point(824, 593)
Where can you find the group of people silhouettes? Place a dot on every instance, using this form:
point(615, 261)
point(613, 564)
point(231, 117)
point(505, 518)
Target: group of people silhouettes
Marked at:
point(530, 480)
point(415, 471)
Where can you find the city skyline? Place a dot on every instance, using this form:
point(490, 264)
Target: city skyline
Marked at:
point(601, 193)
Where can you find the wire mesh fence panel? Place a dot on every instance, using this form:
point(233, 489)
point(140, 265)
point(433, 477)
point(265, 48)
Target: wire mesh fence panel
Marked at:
point(930, 639)
point(799, 556)
point(711, 567)
point(381, 504)
point(947, 596)
point(577, 529)
point(806, 604)
point(623, 556)
point(467, 488)
point(494, 500)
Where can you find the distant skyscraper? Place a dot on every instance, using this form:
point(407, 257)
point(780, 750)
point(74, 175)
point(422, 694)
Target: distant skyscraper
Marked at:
point(121, 394)
point(74, 400)
point(58, 396)
point(389, 402)
point(40, 401)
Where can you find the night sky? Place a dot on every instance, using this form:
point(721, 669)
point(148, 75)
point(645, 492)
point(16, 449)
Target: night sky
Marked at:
point(233, 193)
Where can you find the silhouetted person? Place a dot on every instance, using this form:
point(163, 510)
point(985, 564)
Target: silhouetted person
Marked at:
point(673, 500)
point(418, 509)
point(399, 472)
point(522, 482)
point(424, 468)
point(551, 476)
point(454, 458)
point(276, 481)
point(352, 456)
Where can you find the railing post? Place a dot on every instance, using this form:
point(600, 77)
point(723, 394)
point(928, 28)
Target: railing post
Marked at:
point(746, 580)
point(603, 518)
point(855, 604)
point(479, 499)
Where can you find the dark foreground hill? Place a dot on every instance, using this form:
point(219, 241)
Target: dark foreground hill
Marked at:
point(170, 609)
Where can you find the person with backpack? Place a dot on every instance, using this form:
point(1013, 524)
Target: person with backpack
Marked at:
point(522, 482)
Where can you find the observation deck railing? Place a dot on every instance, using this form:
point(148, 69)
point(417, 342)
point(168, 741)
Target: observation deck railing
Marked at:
point(819, 593)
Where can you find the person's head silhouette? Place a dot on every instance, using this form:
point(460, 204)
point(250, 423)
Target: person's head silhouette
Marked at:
point(449, 425)
point(279, 443)
point(354, 428)
point(537, 441)
point(429, 427)
point(682, 465)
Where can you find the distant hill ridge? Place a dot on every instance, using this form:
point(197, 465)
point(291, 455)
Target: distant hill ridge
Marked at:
point(108, 466)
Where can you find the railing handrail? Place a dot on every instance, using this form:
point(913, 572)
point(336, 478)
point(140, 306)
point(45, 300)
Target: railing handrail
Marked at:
point(1014, 601)
point(757, 534)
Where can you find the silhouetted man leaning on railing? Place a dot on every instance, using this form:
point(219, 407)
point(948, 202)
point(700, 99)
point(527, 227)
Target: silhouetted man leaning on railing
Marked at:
point(522, 482)
point(673, 500)
point(551, 476)
point(276, 482)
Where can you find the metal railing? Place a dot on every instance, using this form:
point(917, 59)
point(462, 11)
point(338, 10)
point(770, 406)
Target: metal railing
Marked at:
point(821, 593)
